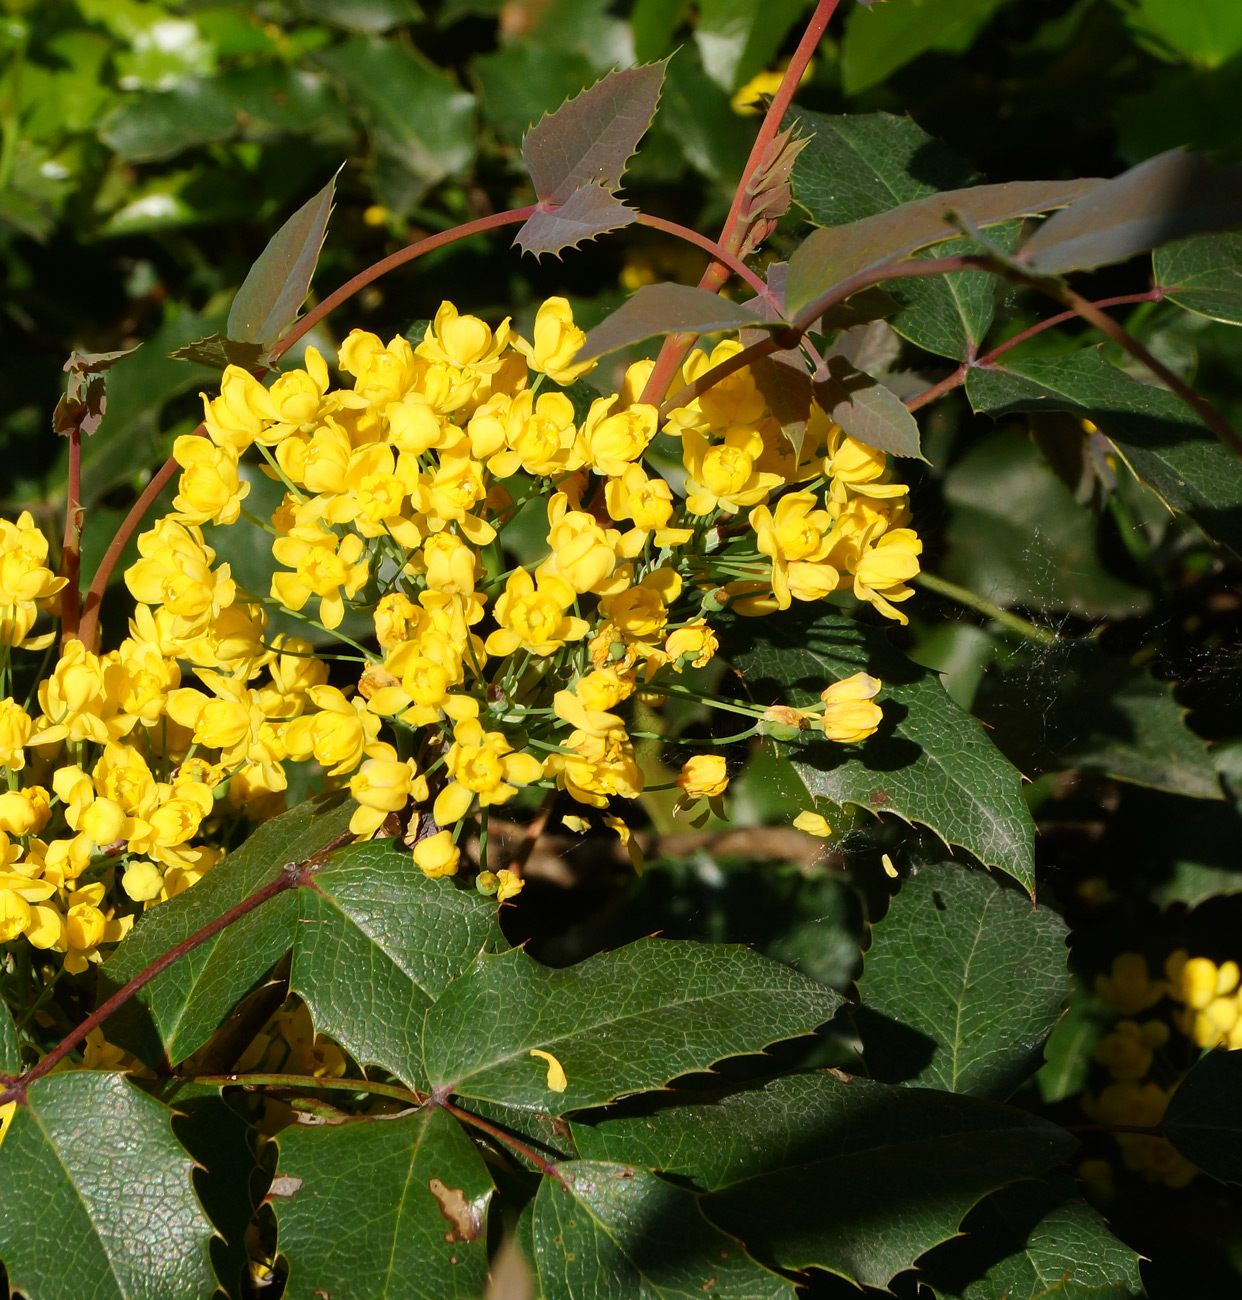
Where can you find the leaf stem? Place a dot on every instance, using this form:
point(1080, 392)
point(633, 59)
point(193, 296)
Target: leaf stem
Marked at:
point(545, 1167)
point(310, 1082)
point(981, 605)
point(71, 547)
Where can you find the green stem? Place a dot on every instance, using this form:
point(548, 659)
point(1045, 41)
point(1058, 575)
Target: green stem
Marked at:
point(303, 1081)
point(981, 605)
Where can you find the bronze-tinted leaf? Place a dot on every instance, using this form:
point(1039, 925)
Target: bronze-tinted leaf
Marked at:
point(588, 212)
point(1167, 197)
point(590, 138)
point(85, 400)
point(867, 410)
point(220, 352)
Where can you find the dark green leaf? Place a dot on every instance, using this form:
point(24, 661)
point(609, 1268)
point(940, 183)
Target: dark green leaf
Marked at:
point(1067, 1051)
point(930, 762)
point(1204, 1116)
point(392, 1206)
point(151, 128)
point(1030, 1241)
point(375, 922)
point(619, 1022)
point(829, 256)
point(10, 1053)
point(867, 410)
point(966, 978)
point(220, 352)
point(1203, 274)
point(848, 1175)
point(610, 1229)
point(1161, 441)
point(1205, 32)
point(95, 1196)
point(589, 140)
point(1167, 197)
point(589, 211)
point(1085, 711)
point(862, 164)
point(881, 40)
point(668, 309)
point(178, 1011)
point(276, 286)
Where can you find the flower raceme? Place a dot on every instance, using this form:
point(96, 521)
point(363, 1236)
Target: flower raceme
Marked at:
point(487, 573)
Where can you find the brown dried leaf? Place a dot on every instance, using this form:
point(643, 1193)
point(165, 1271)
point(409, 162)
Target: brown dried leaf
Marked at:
point(86, 398)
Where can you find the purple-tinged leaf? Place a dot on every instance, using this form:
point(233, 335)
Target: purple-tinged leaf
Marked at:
point(835, 253)
point(275, 287)
point(1167, 197)
point(86, 398)
point(590, 138)
point(220, 352)
point(588, 212)
point(867, 410)
point(783, 380)
point(668, 309)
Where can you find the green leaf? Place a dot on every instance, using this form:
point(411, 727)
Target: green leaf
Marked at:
point(966, 978)
point(520, 83)
point(739, 38)
point(220, 352)
point(360, 1209)
point(609, 1229)
point(950, 314)
point(696, 118)
point(1151, 429)
point(1204, 1117)
point(276, 286)
point(861, 164)
point(1207, 32)
point(1067, 1051)
point(831, 255)
point(881, 40)
point(1086, 711)
point(589, 139)
point(1030, 1241)
point(588, 212)
point(374, 922)
point(930, 762)
point(10, 1051)
point(95, 1196)
point(668, 309)
point(178, 1011)
point(654, 22)
point(1203, 274)
point(618, 1022)
point(831, 1172)
point(1167, 197)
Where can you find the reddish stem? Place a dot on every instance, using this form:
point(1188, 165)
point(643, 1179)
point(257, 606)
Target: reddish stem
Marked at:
point(710, 378)
point(290, 876)
point(545, 1167)
point(719, 253)
point(389, 263)
point(946, 385)
point(71, 547)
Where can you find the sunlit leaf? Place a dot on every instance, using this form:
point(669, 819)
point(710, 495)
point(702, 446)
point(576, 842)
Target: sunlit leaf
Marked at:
point(589, 211)
point(867, 410)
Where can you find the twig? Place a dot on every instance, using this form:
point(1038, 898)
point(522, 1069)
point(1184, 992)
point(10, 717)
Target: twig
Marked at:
point(981, 605)
point(545, 1167)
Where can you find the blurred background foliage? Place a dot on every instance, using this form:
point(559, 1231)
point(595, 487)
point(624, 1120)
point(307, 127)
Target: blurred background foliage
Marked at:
point(150, 149)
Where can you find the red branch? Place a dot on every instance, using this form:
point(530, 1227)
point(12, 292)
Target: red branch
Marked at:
point(545, 1167)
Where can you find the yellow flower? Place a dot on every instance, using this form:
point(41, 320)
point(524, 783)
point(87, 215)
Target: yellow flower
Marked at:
point(533, 615)
point(324, 565)
point(24, 812)
point(15, 728)
point(1126, 1052)
point(850, 714)
point(1129, 987)
point(465, 342)
point(175, 572)
point(382, 375)
point(723, 476)
point(648, 502)
point(640, 612)
point(885, 568)
point(745, 101)
point(795, 533)
point(483, 764)
point(397, 619)
point(338, 735)
point(437, 855)
point(509, 885)
point(143, 881)
point(238, 416)
point(382, 785)
point(695, 642)
point(26, 583)
point(556, 341)
point(75, 701)
point(705, 776)
point(583, 553)
point(614, 441)
point(813, 824)
point(1198, 981)
point(209, 489)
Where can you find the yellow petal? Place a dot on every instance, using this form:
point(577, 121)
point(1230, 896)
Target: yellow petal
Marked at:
point(556, 1074)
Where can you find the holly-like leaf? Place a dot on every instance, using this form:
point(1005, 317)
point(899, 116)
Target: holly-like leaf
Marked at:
point(614, 1226)
point(590, 138)
point(860, 164)
point(867, 410)
point(1030, 1241)
point(374, 922)
point(391, 1206)
point(1204, 1117)
point(589, 211)
point(1167, 197)
point(220, 352)
point(668, 309)
point(95, 1196)
point(1087, 712)
point(1153, 432)
point(1203, 274)
point(276, 286)
point(616, 1023)
point(962, 984)
point(950, 314)
point(177, 1012)
point(817, 1170)
point(828, 257)
point(930, 762)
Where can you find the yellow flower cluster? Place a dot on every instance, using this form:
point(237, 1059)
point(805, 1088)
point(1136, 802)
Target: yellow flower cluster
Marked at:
point(494, 667)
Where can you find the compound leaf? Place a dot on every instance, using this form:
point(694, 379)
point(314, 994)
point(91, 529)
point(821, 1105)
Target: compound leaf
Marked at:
point(1167, 197)
point(95, 1196)
point(1161, 441)
point(276, 286)
point(930, 762)
point(1204, 1120)
point(618, 1022)
point(393, 1206)
point(962, 984)
point(589, 211)
point(645, 1236)
point(1203, 274)
point(837, 1173)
